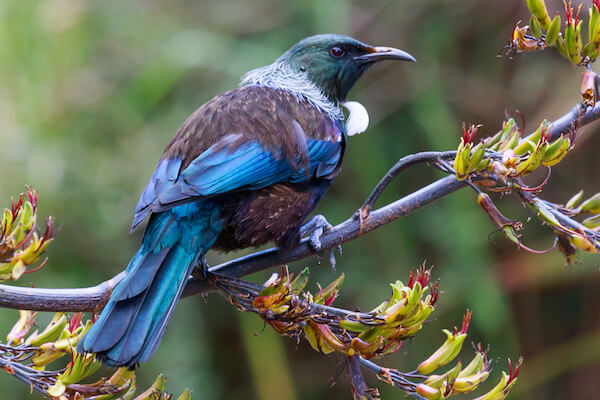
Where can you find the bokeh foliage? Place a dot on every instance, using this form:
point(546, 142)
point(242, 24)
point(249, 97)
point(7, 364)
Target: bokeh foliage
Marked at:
point(91, 92)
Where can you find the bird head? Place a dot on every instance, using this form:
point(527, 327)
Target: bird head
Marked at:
point(335, 62)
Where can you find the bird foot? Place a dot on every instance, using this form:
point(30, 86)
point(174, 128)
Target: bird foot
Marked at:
point(200, 271)
point(316, 227)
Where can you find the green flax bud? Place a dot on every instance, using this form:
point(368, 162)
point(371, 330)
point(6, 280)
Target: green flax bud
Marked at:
point(539, 10)
point(553, 30)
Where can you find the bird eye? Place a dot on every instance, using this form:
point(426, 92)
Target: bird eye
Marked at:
point(336, 52)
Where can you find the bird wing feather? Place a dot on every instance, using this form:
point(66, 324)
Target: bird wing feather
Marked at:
point(245, 139)
point(219, 171)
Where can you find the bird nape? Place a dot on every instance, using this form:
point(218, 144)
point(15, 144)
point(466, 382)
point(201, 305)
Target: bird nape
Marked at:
point(244, 169)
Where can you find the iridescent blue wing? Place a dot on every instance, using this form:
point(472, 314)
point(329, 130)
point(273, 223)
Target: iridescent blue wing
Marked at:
point(220, 170)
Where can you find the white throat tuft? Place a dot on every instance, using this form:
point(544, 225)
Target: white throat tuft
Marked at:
point(358, 118)
point(279, 75)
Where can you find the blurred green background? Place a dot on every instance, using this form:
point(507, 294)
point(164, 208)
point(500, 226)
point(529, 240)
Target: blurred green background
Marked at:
point(91, 92)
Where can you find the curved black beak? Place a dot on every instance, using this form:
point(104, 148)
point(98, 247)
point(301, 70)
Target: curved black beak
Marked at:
point(384, 53)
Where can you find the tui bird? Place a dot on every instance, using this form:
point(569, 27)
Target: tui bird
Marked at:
point(244, 169)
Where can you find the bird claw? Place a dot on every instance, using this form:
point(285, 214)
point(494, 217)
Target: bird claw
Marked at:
point(200, 270)
point(316, 227)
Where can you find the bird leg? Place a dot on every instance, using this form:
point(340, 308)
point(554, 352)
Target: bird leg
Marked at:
point(314, 228)
point(200, 269)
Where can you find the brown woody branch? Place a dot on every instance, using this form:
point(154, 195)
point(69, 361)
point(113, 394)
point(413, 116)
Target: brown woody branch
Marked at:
point(93, 298)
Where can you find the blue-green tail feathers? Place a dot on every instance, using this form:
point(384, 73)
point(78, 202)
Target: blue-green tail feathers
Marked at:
point(132, 323)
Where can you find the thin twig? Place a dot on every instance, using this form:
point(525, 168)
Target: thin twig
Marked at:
point(26, 375)
point(393, 376)
point(360, 390)
point(401, 165)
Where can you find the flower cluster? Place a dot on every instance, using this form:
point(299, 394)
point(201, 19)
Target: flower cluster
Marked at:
point(572, 236)
point(21, 244)
point(497, 163)
point(290, 310)
point(507, 154)
point(543, 32)
point(469, 159)
point(28, 358)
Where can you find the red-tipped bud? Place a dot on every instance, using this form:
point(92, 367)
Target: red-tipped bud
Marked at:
point(49, 233)
point(569, 13)
point(33, 198)
point(421, 275)
point(329, 300)
point(513, 373)
point(75, 321)
point(435, 292)
point(15, 207)
point(470, 132)
point(466, 320)
point(546, 134)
